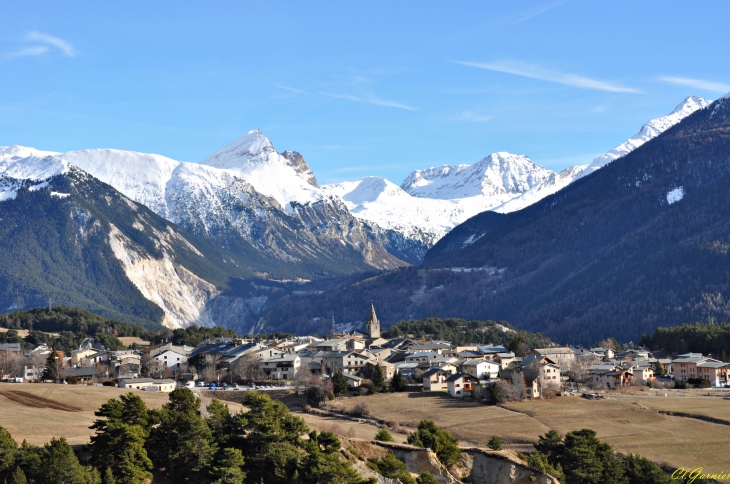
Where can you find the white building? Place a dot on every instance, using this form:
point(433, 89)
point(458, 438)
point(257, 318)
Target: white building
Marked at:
point(482, 369)
point(281, 367)
point(461, 384)
point(164, 385)
point(171, 359)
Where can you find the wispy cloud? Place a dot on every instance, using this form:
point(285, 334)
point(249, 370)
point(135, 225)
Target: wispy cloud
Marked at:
point(536, 72)
point(48, 41)
point(473, 117)
point(697, 83)
point(61, 44)
point(292, 89)
point(539, 10)
point(370, 99)
point(28, 51)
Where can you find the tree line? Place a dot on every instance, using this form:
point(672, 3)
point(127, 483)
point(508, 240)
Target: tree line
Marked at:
point(709, 339)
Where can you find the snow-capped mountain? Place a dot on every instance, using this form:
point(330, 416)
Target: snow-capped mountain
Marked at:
point(245, 191)
point(649, 131)
point(499, 177)
point(431, 202)
point(377, 200)
point(434, 200)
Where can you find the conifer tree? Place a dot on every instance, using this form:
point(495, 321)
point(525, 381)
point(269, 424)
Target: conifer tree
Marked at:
point(182, 442)
point(18, 477)
point(8, 446)
point(383, 435)
point(378, 379)
point(495, 443)
point(399, 382)
point(108, 477)
point(50, 372)
point(59, 465)
point(228, 469)
point(339, 383)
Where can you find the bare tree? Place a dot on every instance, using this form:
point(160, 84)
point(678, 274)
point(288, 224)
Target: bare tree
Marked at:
point(513, 388)
point(209, 373)
point(11, 364)
point(247, 367)
point(101, 371)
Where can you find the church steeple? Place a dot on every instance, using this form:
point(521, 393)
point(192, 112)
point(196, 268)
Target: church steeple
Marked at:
point(373, 325)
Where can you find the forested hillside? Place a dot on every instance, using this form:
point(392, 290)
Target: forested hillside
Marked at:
point(640, 243)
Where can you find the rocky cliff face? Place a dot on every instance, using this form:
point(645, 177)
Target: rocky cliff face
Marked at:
point(478, 466)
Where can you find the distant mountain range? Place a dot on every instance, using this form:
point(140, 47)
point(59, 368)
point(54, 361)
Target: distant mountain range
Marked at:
point(644, 241)
point(432, 201)
point(233, 239)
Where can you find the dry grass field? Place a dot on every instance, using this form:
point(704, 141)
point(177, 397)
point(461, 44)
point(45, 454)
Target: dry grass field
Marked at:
point(130, 340)
point(630, 423)
point(37, 412)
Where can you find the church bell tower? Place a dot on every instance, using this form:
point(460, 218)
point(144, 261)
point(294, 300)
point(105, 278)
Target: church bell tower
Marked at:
point(373, 325)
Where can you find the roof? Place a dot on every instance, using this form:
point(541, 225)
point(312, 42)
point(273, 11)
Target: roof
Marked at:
point(553, 351)
point(713, 364)
point(469, 354)
point(212, 348)
point(421, 354)
point(128, 380)
point(352, 377)
point(430, 346)
point(432, 371)
point(15, 347)
point(283, 357)
point(83, 371)
point(478, 362)
point(492, 349)
point(692, 359)
point(461, 375)
point(332, 342)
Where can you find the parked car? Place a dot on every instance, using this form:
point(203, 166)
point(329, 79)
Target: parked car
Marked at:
point(225, 386)
point(212, 386)
point(201, 384)
point(190, 384)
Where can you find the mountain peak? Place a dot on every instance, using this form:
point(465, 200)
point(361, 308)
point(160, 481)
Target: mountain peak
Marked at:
point(649, 131)
point(497, 174)
point(251, 148)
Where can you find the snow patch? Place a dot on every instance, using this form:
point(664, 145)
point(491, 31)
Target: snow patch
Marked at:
point(60, 195)
point(675, 195)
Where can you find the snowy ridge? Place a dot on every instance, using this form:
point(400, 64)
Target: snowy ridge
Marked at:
point(445, 196)
point(554, 183)
point(500, 176)
point(431, 202)
point(270, 173)
point(27, 167)
point(649, 131)
point(377, 200)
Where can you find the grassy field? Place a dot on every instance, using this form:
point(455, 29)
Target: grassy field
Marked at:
point(37, 412)
point(630, 423)
point(130, 340)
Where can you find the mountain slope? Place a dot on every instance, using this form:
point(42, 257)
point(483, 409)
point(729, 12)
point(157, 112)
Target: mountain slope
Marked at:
point(431, 202)
point(642, 242)
point(260, 198)
point(445, 196)
point(649, 131)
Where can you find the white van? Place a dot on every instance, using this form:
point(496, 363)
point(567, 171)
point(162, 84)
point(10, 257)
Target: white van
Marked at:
point(190, 384)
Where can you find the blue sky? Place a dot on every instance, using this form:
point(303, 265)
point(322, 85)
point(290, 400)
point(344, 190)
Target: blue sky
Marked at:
point(366, 88)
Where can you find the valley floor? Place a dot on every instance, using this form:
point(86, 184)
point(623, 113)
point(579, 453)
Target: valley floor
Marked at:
point(629, 422)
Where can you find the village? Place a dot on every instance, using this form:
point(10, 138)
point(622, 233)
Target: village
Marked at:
point(435, 366)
